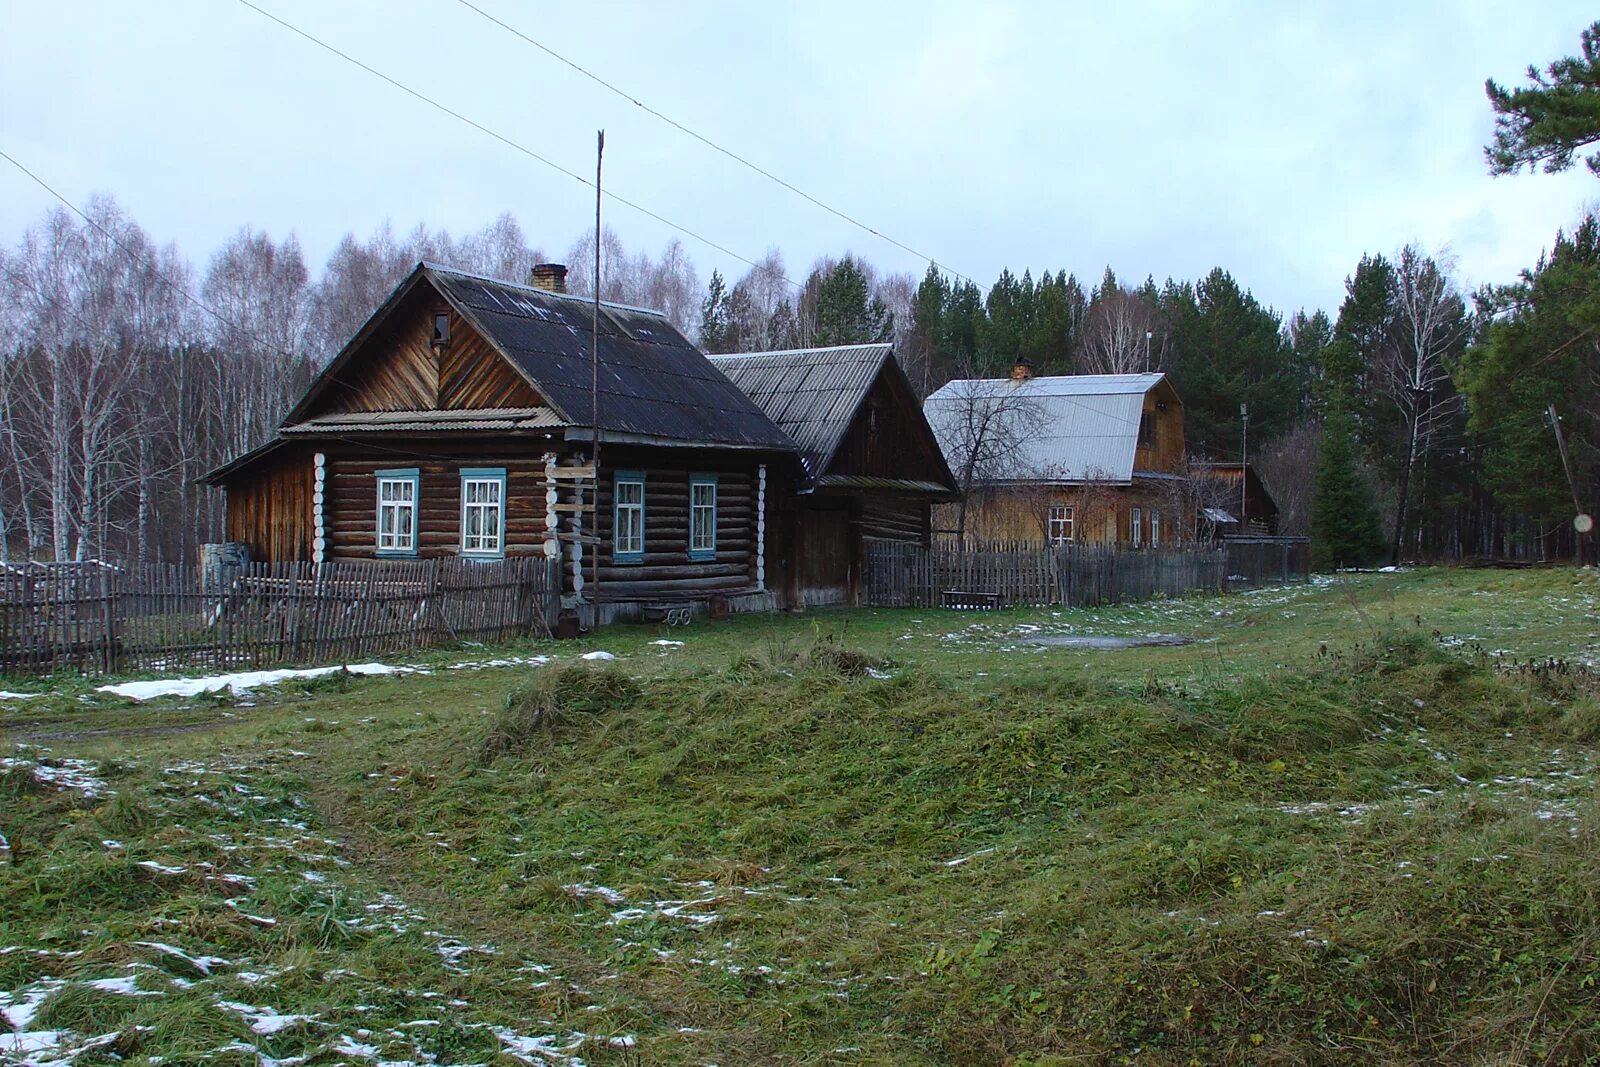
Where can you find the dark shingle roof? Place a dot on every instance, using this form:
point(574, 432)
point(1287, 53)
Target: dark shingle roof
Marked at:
point(811, 393)
point(653, 382)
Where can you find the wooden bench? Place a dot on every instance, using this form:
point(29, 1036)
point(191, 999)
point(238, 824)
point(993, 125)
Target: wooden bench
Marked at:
point(969, 600)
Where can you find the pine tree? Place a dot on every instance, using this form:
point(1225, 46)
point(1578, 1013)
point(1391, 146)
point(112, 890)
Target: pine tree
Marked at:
point(1552, 117)
point(714, 316)
point(1345, 528)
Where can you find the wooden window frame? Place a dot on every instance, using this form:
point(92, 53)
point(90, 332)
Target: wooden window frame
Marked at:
point(702, 552)
point(1147, 429)
point(618, 480)
point(495, 476)
point(437, 337)
point(1136, 526)
point(411, 476)
point(1155, 528)
point(1068, 521)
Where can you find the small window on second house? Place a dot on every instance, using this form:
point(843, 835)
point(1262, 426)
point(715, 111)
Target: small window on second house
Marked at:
point(1136, 525)
point(1155, 528)
point(1060, 524)
point(703, 516)
point(1147, 430)
point(441, 328)
point(627, 529)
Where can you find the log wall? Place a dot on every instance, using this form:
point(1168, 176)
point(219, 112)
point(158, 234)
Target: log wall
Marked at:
point(350, 513)
point(667, 572)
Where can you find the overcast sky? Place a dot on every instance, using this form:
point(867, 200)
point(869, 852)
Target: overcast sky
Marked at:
point(1279, 141)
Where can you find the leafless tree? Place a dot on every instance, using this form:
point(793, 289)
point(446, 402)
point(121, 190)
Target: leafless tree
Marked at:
point(1114, 329)
point(1286, 466)
point(1431, 328)
point(986, 428)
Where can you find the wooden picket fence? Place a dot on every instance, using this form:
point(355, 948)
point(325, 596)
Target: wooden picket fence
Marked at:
point(901, 574)
point(1267, 560)
point(103, 617)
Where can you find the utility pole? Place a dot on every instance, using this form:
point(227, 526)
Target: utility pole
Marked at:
point(594, 376)
point(1244, 463)
point(1147, 335)
point(1582, 521)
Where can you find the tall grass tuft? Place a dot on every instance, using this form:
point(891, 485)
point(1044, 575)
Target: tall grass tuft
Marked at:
point(553, 698)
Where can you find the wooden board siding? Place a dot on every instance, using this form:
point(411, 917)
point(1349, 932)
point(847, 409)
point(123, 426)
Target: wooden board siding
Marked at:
point(472, 373)
point(889, 437)
point(271, 511)
point(1165, 412)
point(1103, 516)
point(886, 518)
point(352, 500)
point(396, 368)
point(666, 571)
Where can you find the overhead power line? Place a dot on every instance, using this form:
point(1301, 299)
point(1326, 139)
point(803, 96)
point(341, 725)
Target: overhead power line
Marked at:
point(143, 261)
point(708, 142)
point(508, 142)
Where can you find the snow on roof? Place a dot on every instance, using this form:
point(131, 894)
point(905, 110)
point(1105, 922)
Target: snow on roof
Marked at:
point(1067, 428)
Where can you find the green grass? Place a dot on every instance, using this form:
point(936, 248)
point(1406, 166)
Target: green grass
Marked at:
point(1337, 827)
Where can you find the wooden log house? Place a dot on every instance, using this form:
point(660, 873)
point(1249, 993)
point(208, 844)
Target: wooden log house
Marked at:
point(1096, 458)
point(457, 422)
point(871, 468)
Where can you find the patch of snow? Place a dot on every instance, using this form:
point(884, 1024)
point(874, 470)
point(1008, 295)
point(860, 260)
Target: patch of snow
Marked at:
point(264, 1021)
point(664, 643)
point(602, 657)
point(238, 682)
point(61, 773)
point(203, 964)
point(606, 893)
point(6, 694)
point(963, 859)
point(547, 1048)
point(152, 865)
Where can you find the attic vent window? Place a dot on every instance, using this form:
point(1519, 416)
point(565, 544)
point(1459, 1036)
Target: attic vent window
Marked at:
point(441, 329)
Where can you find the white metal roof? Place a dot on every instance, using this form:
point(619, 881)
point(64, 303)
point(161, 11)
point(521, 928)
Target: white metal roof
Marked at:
point(1081, 427)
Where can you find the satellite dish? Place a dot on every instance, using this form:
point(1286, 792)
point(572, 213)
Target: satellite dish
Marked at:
point(1583, 523)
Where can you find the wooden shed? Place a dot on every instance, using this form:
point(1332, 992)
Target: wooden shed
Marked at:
point(457, 422)
point(870, 466)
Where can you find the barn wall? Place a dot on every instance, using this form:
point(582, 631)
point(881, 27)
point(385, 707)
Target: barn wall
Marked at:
point(1165, 411)
point(1102, 514)
point(270, 509)
point(667, 572)
point(889, 436)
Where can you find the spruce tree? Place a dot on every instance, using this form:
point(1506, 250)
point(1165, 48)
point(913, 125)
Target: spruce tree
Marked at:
point(714, 316)
point(1345, 528)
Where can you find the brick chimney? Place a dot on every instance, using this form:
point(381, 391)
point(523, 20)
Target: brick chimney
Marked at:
point(1022, 369)
point(551, 277)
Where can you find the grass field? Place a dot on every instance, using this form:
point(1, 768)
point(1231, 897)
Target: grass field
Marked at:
point(1338, 826)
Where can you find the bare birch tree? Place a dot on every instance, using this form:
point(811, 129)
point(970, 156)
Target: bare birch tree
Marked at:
point(1114, 332)
point(1431, 327)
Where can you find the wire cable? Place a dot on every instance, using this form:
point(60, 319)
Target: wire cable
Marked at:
point(148, 264)
point(508, 142)
point(708, 142)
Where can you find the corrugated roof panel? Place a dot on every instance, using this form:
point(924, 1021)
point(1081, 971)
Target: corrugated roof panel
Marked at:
point(1073, 428)
point(811, 393)
point(653, 381)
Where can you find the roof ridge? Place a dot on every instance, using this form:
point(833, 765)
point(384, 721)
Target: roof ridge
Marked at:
point(800, 351)
point(536, 290)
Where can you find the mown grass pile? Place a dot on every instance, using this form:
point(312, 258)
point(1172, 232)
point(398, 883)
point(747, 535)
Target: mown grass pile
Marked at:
point(801, 850)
